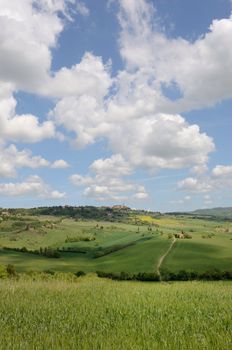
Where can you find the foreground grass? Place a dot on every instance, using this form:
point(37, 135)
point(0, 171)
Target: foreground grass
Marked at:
point(100, 314)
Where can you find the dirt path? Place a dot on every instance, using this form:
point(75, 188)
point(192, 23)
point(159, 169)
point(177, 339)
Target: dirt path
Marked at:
point(163, 257)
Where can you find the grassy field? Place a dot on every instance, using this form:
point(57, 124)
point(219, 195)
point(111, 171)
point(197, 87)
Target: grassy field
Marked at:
point(94, 313)
point(135, 246)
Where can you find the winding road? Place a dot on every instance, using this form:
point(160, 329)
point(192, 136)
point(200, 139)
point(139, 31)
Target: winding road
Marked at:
point(163, 257)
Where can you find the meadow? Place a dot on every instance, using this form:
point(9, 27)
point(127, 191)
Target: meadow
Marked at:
point(90, 313)
point(46, 306)
point(133, 246)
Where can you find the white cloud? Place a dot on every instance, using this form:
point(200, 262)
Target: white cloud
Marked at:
point(142, 194)
point(195, 67)
point(195, 185)
point(141, 126)
point(82, 9)
point(144, 139)
point(108, 183)
point(25, 127)
point(32, 186)
point(27, 35)
point(114, 166)
point(137, 21)
point(220, 178)
point(222, 170)
point(200, 169)
point(12, 159)
point(114, 189)
point(30, 31)
point(79, 180)
point(130, 117)
point(181, 201)
point(54, 6)
point(161, 141)
point(89, 77)
point(60, 164)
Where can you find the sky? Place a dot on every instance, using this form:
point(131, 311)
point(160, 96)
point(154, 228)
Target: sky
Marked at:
point(106, 102)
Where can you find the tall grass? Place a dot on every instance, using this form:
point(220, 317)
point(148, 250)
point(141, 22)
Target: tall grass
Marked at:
point(100, 314)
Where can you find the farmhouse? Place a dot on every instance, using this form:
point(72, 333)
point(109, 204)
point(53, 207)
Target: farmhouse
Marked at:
point(179, 235)
point(182, 235)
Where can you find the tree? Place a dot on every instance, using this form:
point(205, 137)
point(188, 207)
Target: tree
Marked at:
point(11, 270)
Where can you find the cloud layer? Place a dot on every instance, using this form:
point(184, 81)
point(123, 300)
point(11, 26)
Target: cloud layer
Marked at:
point(129, 110)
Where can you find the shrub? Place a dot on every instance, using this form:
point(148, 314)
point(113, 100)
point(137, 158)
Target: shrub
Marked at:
point(3, 272)
point(11, 270)
point(80, 273)
point(49, 272)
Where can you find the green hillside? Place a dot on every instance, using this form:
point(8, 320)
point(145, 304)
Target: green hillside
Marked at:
point(216, 212)
point(137, 244)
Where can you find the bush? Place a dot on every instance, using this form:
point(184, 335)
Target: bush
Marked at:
point(11, 270)
point(146, 276)
point(3, 272)
point(80, 273)
point(49, 272)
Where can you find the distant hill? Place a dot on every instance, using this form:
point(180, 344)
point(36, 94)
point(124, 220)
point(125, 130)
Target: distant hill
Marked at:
point(216, 212)
point(115, 213)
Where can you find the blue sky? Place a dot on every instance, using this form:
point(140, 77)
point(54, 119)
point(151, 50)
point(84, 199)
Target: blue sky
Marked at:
point(116, 102)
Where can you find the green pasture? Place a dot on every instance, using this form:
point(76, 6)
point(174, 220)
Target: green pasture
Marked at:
point(136, 246)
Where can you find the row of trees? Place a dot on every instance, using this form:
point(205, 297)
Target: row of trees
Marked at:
point(210, 275)
point(125, 276)
point(48, 252)
point(79, 239)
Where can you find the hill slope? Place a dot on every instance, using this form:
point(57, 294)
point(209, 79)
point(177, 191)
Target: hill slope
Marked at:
point(216, 212)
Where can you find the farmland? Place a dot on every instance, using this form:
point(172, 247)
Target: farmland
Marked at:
point(134, 244)
point(92, 313)
point(56, 301)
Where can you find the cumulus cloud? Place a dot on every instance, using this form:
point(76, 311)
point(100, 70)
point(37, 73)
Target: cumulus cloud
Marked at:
point(108, 182)
point(142, 127)
point(154, 142)
point(27, 35)
point(12, 159)
point(219, 178)
point(90, 77)
point(194, 67)
point(131, 117)
point(161, 141)
point(114, 166)
point(60, 164)
point(30, 30)
point(32, 186)
point(222, 170)
point(195, 185)
point(25, 127)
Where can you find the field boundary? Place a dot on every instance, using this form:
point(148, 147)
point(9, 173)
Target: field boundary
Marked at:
point(161, 259)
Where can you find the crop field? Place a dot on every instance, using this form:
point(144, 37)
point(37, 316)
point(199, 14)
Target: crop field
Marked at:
point(134, 246)
point(91, 313)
